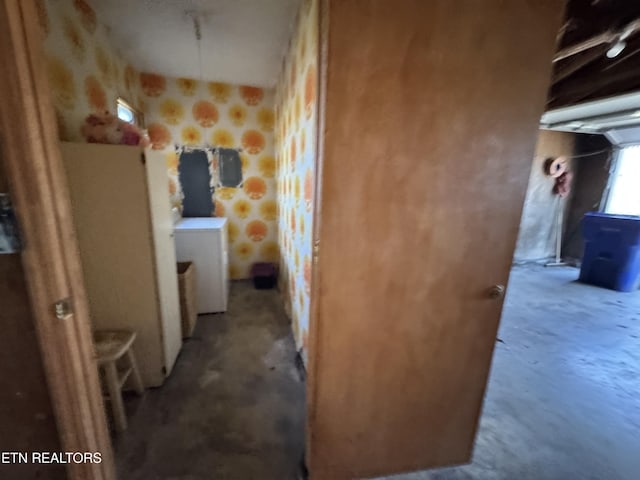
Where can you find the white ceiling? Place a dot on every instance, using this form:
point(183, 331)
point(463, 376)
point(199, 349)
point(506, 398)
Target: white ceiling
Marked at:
point(243, 41)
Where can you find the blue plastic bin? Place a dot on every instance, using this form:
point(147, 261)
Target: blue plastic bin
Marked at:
point(611, 251)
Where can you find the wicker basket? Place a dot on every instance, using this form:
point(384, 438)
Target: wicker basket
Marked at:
point(187, 288)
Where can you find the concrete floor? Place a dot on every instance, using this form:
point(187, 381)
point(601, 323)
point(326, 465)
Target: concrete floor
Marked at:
point(563, 401)
point(233, 407)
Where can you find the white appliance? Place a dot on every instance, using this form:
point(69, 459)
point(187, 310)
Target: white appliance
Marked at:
point(128, 258)
point(203, 241)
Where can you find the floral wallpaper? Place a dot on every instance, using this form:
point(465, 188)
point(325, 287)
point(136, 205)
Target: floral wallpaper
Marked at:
point(184, 111)
point(296, 130)
point(85, 74)
point(270, 214)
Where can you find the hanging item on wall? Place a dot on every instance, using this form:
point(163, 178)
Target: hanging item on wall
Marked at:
point(562, 186)
point(554, 167)
point(558, 169)
point(107, 128)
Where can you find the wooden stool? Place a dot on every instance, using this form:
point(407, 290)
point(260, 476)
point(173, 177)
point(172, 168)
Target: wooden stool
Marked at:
point(111, 346)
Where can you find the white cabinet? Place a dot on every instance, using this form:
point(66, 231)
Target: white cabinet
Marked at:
point(203, 241)
point(123, 222)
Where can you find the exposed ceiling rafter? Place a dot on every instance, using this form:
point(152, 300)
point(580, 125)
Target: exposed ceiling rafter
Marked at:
point(573, 65)
point(609, 37)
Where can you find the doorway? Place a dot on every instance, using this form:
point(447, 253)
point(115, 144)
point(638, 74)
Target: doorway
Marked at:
point(562, 398)
point(367, 319)
point(240, 366)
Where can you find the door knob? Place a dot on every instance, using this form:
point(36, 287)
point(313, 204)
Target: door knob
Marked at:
point(497, 291)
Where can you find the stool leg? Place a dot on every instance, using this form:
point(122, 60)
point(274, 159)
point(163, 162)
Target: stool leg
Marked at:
point(136, 380)
point(115, 396)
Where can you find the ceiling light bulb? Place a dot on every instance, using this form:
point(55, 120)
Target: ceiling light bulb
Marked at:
point(616, 49)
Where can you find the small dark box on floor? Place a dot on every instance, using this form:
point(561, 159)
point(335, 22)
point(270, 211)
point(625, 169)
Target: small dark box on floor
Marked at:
point(264, 275)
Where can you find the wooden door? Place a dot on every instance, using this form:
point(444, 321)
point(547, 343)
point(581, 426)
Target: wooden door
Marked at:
point(27, 420)
point(165, 256)
point(430, 122)
point(50, 261)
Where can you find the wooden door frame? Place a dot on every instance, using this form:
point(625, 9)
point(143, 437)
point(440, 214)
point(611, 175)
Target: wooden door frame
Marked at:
point(314, 327)
point(32, 161)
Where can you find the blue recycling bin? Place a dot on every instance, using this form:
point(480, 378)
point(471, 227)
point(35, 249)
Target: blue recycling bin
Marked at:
point(611, 251)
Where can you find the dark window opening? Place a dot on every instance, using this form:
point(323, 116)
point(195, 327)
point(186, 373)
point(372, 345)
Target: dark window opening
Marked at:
point(229, 168)
point(195, 180)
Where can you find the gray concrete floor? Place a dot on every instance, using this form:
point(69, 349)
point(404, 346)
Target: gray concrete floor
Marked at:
point(563, 401)
point(233, 407)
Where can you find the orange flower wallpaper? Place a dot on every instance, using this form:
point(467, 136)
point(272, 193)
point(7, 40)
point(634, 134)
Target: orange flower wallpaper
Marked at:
point(296, 129)
point(85, 74)
point(185, 111)
point(271, 213)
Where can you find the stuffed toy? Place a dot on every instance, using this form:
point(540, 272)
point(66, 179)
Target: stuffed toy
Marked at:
point(107, 128)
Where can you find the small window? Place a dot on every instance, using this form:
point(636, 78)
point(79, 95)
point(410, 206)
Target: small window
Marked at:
point(129, 114)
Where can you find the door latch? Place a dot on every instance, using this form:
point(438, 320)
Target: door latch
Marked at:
point(10, 241)
point(496, 292)
point(63, 309)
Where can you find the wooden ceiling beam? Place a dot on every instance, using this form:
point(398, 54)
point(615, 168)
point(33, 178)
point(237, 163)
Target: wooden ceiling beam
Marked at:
point(602, 38)
point(624, 58)
point(570, 67)
point(568, 25)
point(607, 37)
point(623, 81)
